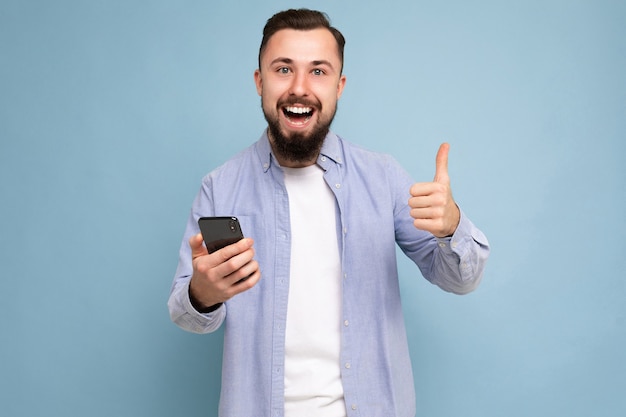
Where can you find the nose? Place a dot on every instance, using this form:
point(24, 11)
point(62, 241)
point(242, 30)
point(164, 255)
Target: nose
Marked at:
point(299, 85)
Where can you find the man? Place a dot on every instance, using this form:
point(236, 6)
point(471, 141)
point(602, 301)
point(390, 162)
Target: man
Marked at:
point(322, 333)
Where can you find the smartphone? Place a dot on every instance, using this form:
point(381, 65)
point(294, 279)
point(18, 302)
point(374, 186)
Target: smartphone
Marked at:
point(218, 232)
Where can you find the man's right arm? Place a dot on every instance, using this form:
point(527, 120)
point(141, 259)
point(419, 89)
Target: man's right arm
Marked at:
point(196, 300)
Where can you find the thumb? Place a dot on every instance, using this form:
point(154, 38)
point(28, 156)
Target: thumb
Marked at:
point(441, 164)
point(197, 249)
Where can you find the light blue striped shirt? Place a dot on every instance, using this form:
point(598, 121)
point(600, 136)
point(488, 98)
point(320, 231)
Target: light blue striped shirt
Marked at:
point(372, 193)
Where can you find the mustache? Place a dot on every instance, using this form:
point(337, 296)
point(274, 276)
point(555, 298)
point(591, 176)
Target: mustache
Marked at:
point(303, 101)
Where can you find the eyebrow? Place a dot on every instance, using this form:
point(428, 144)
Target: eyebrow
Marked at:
point(290, 61)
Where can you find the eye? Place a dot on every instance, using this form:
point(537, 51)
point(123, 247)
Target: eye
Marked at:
point(283, 70)
point(317, 71)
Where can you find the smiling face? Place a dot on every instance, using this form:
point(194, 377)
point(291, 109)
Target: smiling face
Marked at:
point(299, 81)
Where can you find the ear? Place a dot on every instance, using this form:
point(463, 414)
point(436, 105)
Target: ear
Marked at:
point(340, 86)
point(258, 81)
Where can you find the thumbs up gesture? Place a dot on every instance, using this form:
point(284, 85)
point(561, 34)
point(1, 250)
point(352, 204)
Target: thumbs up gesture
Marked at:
point(431, 203)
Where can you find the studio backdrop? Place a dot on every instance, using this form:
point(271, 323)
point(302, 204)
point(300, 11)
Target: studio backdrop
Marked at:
point(112, 111)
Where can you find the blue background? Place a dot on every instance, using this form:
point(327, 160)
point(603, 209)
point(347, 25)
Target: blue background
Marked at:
point(111, 112)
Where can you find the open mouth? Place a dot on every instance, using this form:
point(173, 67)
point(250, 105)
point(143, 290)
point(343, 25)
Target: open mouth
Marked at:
point(298, 116)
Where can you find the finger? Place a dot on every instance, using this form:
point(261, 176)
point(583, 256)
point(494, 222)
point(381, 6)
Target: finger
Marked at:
point(234, 249)
point(249, 281)
point(428, 201)
point(428, 225)
point(237, 268)
point(244, 284)
point(197, 249)
point(441, 164)
point(243, 273)
point(425, 213)
point(420, 189)
point(232, 257)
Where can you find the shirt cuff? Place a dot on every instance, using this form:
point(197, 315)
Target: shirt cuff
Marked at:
point(189, 308)
point(469, 246)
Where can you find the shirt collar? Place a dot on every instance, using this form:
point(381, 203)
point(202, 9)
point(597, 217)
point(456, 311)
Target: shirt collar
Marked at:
point(331, 152)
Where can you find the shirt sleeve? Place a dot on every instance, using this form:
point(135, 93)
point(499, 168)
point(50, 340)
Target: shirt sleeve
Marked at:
point(181, 310)
point(187, 317)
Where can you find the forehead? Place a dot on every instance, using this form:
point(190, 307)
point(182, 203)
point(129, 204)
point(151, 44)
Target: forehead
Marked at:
point(302, 46)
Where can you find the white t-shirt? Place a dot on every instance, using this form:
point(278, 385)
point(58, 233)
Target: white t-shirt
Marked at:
point(313, 340)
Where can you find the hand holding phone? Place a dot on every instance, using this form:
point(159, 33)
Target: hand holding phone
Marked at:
point(217, 279)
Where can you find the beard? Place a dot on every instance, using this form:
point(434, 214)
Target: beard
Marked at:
point(298, 147)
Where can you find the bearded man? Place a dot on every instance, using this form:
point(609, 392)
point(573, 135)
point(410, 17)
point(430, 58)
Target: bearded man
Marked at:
point(310, 299)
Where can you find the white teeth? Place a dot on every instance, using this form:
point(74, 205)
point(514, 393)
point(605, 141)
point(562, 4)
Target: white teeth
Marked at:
point(298, 110)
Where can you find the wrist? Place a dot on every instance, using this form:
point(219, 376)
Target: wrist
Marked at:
point(202, 308)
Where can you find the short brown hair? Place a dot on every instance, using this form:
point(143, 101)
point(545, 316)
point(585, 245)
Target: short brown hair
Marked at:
point(300, 19)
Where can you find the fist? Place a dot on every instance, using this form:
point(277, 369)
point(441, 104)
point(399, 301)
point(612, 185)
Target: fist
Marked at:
point(432, 206)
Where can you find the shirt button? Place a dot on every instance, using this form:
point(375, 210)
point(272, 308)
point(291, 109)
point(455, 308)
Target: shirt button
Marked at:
point(337, 185)
point(323, 158)
point(353, 406)
point(442, 245)
point(346, 323)
point(347, 365)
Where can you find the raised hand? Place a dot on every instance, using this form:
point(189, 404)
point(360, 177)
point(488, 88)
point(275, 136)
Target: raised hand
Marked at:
point(431, 203)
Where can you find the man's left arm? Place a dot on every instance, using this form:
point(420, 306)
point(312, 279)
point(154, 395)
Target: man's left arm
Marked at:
point(457, 261)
